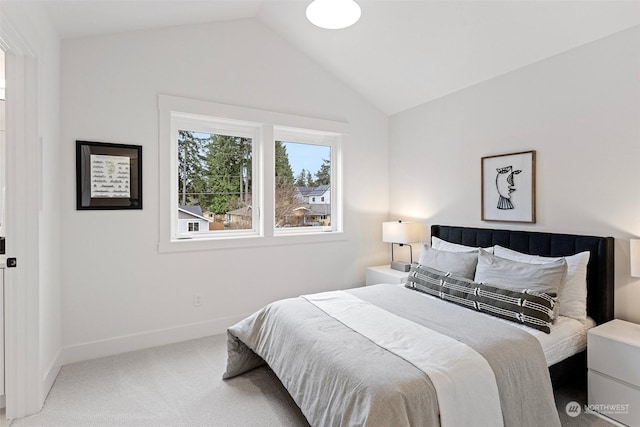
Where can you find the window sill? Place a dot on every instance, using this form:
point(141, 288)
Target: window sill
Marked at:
point(203, 244)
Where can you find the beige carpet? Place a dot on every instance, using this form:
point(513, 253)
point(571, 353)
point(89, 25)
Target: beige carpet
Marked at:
point(4, 422)
point(180, 385)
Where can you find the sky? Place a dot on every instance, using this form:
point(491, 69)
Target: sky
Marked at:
point(301, 156)
point(306, 156)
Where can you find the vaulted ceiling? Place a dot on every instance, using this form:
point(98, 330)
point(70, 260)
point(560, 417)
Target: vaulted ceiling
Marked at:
point(401, 53)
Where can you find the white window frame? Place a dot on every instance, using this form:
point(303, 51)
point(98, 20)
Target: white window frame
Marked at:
point(303, 136)
point(218, 126)
point(266, 123)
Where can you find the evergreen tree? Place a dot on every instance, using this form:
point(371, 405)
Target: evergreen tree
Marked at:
point(228, 166)
point(301, 179)
point(286, 200)
point(309, 180)
point(284, 173)
point(323, 176)
point(190, 168)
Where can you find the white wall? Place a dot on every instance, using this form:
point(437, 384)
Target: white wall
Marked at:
point(119, 292)
point(33, 29)
point(579, 110)
point(2, 150)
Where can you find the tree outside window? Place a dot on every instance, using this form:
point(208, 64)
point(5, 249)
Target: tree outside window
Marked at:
point(215, 173)
point(296, 198)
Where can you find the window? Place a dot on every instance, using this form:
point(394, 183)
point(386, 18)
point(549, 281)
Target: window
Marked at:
point(215, 174)
point(233, 177)
point(302, 175)
point(215, 169)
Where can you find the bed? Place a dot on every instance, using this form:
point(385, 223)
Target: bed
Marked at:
point(600, 274)
point(398, 355)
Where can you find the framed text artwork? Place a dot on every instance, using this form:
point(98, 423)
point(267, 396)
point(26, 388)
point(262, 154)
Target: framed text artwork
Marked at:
point(509, 187)
point(108, 176)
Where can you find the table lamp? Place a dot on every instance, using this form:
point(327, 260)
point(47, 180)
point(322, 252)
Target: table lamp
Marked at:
point(401, 233)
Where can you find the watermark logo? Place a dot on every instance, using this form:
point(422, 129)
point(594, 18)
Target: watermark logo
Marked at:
point(608, 409)
point(573, 409)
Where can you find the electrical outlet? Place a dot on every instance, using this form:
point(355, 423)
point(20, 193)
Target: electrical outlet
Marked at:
point(197, 300)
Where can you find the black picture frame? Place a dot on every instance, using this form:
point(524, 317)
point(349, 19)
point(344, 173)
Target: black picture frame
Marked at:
point(508, 190)
point(108, 176)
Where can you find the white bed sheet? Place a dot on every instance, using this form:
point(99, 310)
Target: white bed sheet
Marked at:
point(568, 336)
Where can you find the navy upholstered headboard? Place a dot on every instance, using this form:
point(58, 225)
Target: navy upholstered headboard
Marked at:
point(600, 277)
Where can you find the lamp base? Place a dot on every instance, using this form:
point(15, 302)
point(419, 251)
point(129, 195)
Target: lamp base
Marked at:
point(401, 266)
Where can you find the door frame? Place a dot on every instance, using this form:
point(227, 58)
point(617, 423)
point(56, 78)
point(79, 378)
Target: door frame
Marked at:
point(22, 349)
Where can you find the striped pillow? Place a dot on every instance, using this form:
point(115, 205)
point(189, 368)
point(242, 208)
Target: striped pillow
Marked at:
point(529, 307)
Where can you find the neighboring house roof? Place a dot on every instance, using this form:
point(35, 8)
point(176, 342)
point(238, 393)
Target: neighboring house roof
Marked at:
point(319, 210)
point(196, 210)
point(313, 191)
point(301, 208)
point(314, 209)
point(245, 211)
point(187, 212)
point(304, 191)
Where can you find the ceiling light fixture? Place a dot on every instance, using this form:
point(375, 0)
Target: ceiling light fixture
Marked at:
point(333, 14)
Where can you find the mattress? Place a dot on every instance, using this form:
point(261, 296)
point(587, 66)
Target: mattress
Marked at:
point(568, 336)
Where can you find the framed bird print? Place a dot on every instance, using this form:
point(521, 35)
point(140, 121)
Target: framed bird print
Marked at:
point(509, 187)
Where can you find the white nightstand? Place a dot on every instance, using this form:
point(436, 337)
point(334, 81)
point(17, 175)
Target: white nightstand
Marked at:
point(384, 274)
point(613, 358)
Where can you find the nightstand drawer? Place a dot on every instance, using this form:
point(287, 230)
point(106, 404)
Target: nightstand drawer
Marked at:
point(615, 400)
point(614, 358)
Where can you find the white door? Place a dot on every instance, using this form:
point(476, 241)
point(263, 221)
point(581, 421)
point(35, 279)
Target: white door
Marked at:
point(2, 222)
point(21, 340)
point(2, 331)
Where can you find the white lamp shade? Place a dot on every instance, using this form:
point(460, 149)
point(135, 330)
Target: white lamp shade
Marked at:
point(333, 14)
point(400, 232)
point(634, 255)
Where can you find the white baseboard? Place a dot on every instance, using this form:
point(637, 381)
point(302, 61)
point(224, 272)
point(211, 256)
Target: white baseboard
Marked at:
point(110, 346)
point(50, 375)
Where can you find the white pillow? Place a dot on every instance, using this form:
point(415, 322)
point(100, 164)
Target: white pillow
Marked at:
point(572, 297)
point(443, 245)
point(515, 275)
